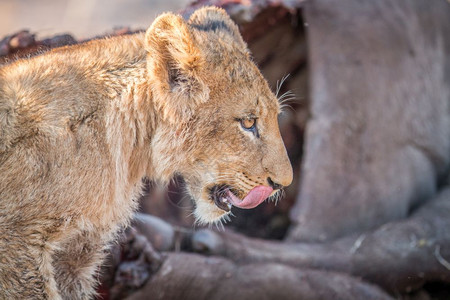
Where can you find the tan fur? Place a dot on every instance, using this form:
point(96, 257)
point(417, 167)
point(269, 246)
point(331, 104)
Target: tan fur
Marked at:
point(80, 126)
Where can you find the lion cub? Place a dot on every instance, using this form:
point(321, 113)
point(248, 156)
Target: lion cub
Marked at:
point(80, 126)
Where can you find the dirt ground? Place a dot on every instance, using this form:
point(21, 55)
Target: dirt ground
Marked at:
point(82, 18)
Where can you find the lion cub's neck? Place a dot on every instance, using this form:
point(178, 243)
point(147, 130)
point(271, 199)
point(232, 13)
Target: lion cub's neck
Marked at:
point(135, 129)
point(131, 118)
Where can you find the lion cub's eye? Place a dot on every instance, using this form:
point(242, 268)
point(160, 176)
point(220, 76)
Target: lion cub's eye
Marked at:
point(248, 123)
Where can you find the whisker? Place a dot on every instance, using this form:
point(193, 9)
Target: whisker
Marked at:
point(284, 106)
point(286, 94)
point(280, 84)
point(287, 99)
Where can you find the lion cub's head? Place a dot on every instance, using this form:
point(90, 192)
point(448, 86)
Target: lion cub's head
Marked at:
point(219, 110)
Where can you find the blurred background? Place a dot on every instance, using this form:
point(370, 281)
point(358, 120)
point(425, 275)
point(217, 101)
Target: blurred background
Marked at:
point(81, 18)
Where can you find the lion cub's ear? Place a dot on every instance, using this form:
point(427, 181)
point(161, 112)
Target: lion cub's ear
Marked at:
point(173, 62)
point(217, 20)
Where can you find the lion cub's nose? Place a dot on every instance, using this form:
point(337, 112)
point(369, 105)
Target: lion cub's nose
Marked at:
point(274, 185)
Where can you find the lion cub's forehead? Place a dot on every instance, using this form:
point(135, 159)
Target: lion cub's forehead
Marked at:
point(256, 94)
point(247, 92)
point(229, 68)
point(243, 99)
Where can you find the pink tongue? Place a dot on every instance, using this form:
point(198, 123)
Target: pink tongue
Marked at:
point(254, 197)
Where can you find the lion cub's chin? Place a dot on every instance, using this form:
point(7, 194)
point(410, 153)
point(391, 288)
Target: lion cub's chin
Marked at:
point(209, 213)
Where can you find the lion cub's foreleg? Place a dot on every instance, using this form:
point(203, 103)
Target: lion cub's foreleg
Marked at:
point(76, 264)
point(26, 270)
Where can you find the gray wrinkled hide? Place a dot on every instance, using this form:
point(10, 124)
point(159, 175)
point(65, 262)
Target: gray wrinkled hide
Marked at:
point(378, 141)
